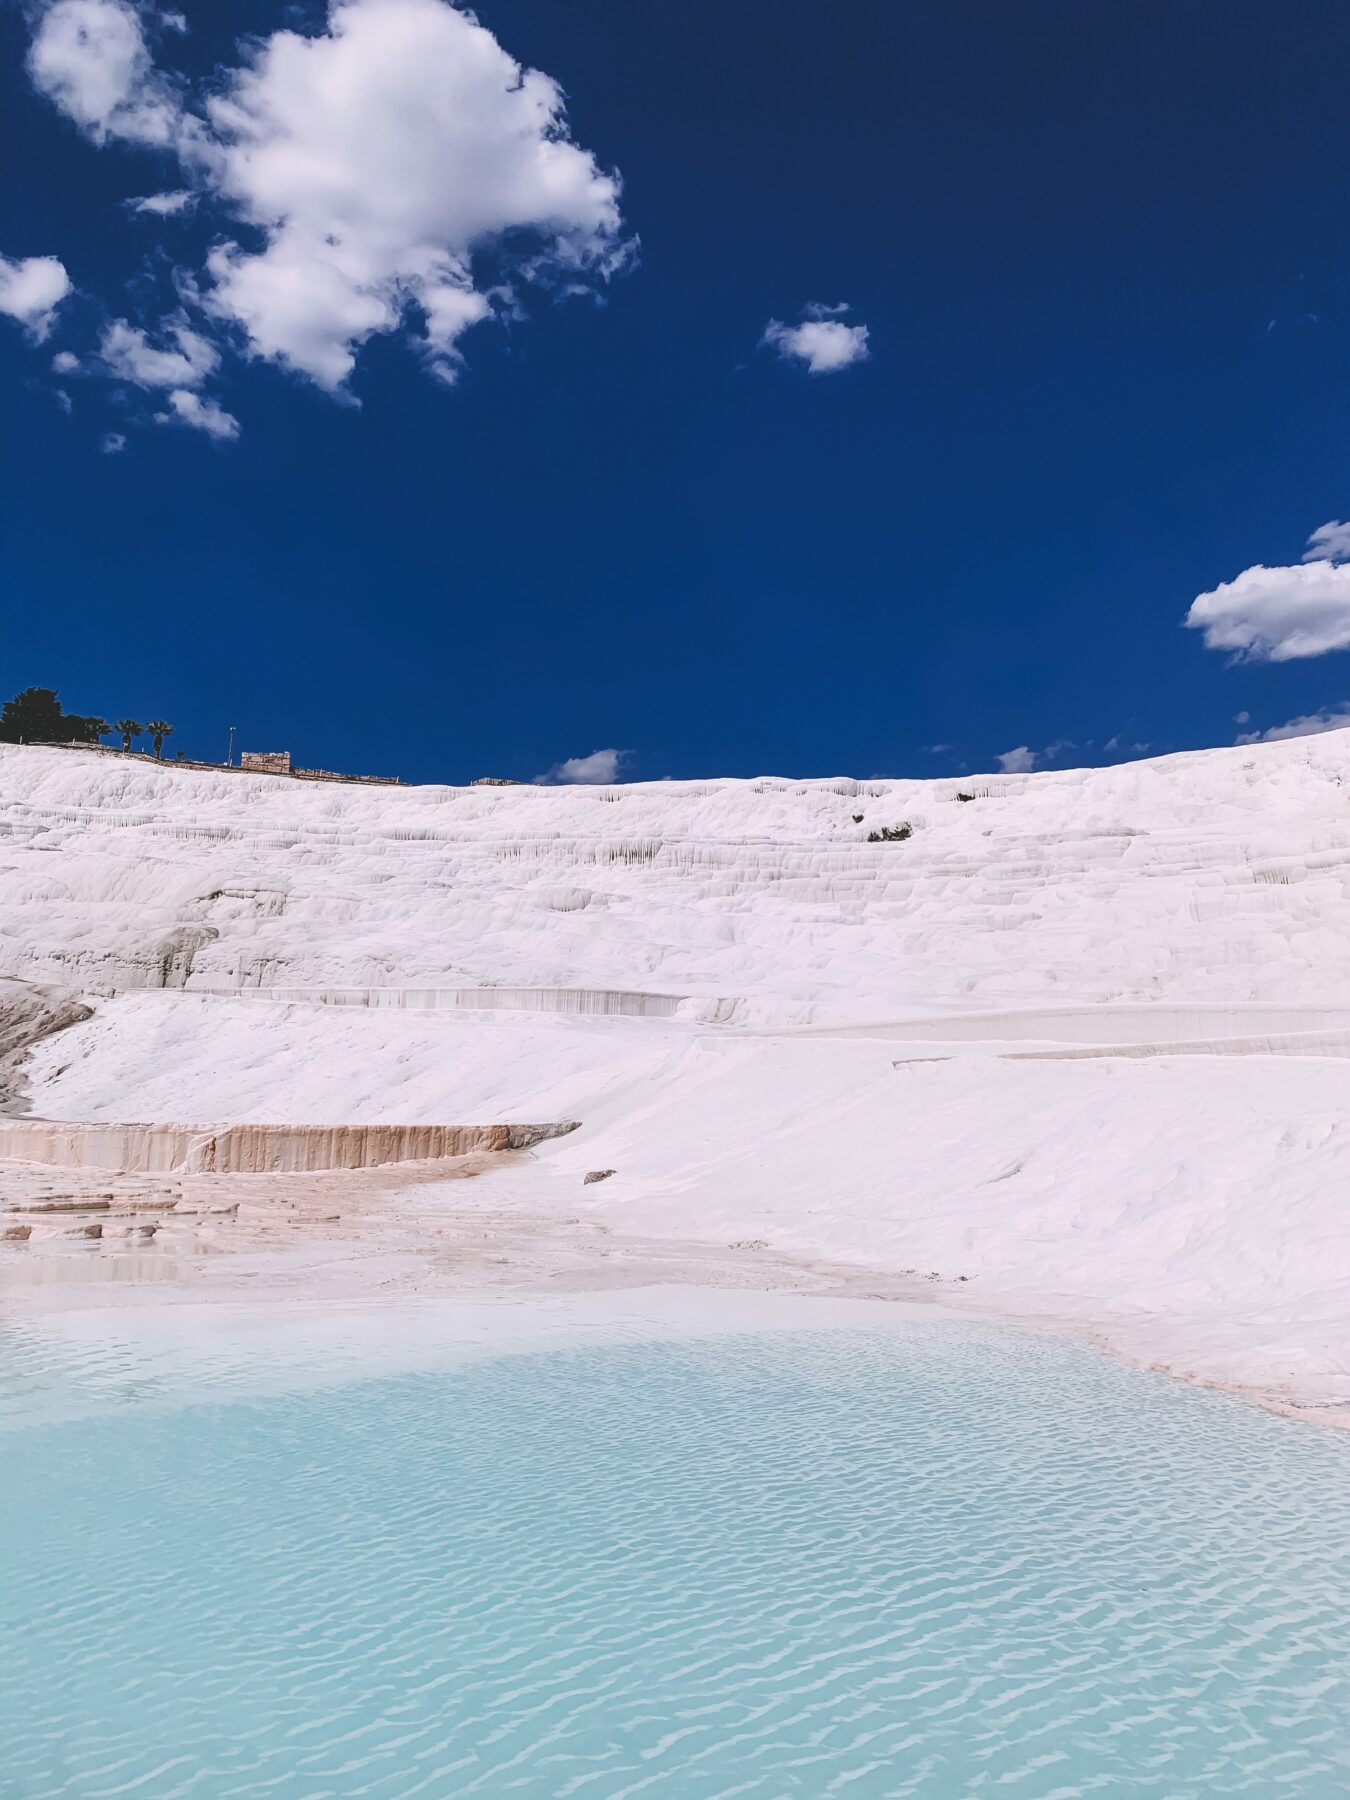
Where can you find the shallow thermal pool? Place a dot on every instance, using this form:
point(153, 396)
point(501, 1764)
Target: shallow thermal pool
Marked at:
point(914, 1558)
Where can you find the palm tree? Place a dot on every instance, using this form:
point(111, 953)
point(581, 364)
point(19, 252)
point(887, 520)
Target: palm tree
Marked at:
point(159, 731)
point(129, 729)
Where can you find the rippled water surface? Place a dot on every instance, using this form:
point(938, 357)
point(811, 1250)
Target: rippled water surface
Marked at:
point(934, 1561)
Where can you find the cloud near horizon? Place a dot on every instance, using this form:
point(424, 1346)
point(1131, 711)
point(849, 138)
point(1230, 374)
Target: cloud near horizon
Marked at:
point(1282, 614)
point(1308, 725)
point(1023, 760)
point(397, 172)
point(596, 770)
point(1020, 761)
point(821, 341)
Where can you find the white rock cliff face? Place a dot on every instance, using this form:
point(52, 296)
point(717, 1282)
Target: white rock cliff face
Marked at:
point(1079, 1043)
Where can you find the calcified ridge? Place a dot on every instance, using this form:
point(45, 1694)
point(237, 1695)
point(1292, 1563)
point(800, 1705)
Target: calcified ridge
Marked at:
point(1072, 1051)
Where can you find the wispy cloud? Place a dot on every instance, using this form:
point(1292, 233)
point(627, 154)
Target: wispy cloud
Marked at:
point(187, 408)
point(1329, 543)
point(184, 358)
point(1330, 718)
point(162, 206)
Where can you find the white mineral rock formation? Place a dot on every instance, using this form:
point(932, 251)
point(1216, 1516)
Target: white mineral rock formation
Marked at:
point(1076, 1049)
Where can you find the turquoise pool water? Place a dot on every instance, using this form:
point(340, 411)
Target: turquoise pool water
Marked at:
point(936, 1561)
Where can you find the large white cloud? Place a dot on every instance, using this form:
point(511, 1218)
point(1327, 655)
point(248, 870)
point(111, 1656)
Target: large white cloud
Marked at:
point(31, 289)
point(376, 160)
point(1277, 615)
point(1280, 614)
point(91, 59)
point(822, 341)
point(397, 171)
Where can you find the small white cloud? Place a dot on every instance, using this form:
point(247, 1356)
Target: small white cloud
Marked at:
point(162, 206)
point(1331, 718)
point(1277, 615)
point(113, 443)
point(822, 341)
point(203, 415)
point(91, 60)
point(1329, 543)
point(1020, 761)
point(1241, 718)
point(64, 363)
point(598, 769)
point(31, 289)
point(129, 355)
point(63, 400)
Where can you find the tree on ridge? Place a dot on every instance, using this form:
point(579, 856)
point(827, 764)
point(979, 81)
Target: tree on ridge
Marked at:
point(31, 717)
point(35, 717)
point(129, 729)
point(159, 730)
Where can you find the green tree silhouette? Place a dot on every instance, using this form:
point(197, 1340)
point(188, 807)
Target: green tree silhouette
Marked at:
point(35, 717)
point(31, 717)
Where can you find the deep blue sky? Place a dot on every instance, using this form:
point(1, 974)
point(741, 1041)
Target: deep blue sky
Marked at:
point(1083, 238)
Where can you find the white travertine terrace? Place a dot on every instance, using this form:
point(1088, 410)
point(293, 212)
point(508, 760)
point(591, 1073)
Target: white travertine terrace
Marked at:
point(1077, 1044)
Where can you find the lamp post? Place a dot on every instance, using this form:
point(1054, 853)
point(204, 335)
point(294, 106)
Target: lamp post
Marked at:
point(229, 755)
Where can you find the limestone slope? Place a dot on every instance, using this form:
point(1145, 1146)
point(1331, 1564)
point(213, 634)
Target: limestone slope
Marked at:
point(1078, 1047)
